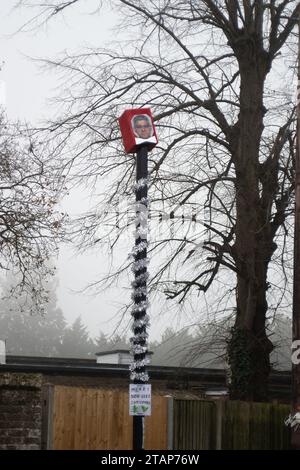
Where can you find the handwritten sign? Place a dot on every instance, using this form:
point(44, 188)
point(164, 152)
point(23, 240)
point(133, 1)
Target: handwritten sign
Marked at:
point(140, 400)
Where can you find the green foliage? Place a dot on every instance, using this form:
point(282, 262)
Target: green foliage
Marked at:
point(240, 360)
point(248, 357)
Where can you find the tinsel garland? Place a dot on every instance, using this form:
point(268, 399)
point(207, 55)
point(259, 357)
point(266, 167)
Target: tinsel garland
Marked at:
point(139, 323)
point(140, 232)
point(293, 421)
point(138, 248)
point(138, 364)
point(138, 337)
point(138, 349)
point(139, 291)
point(145, 201)
point(139, 265)
point(141, 218)
point(139, 376)
point(140, 279)
point(141, 320)
point(140, 306)
point(141, 183)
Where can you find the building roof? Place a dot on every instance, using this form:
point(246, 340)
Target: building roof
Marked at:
point(116, 351)
point(186, 377)
point(90, 366)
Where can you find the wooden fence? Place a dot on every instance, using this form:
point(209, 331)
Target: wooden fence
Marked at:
point(230, 425)
point(194, 425)
point(255, 426)
point(91, 419)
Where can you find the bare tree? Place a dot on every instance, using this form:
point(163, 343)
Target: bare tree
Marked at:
point(30, 224)
point(216, 75)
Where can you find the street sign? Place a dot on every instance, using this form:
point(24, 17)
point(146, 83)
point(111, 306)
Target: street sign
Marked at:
point(140, 400)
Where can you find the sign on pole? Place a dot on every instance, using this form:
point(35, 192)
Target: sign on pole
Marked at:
point(140, 400)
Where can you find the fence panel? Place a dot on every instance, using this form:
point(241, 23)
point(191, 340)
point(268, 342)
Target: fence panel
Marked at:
point(254, 426)
point(194, 424)
point(235, 425)
point(281, 434)
point(243, 425)
point(90, 419)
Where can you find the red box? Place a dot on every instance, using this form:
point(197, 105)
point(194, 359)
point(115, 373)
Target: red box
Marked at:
point(137, 129)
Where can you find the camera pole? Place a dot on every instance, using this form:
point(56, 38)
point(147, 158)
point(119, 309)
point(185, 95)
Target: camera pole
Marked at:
point(139, 343)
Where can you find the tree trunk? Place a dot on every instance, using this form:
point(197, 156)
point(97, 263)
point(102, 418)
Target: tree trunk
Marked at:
point(249, 347)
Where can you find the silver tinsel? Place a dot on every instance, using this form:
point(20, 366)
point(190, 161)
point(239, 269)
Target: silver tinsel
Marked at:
point(145, 201)
point(145, 321)
point(139, 279)
point(140, 232)
point(140, 306)
point(138, 248)
point(141, 183)
point(139, 291)
point(293, 421)
point(138, 364)
point(139, 341)
point(139, 337)
point(138, 349)
point(139, 376)
point(141, 218)
point(140, 264)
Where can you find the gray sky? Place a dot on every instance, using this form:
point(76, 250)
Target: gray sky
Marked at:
point(25, 88)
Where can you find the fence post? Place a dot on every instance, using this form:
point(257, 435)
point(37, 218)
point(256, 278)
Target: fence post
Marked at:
point(170, 423)
point(47, 418)
point(219, 418)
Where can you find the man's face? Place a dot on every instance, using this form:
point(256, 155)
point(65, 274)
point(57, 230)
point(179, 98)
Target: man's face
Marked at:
point(143, 129)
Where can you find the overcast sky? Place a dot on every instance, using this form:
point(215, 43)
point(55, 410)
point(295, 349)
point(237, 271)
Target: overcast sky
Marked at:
point(25, 90)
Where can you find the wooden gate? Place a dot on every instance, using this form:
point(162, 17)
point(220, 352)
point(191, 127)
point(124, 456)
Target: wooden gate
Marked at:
point(91, 419)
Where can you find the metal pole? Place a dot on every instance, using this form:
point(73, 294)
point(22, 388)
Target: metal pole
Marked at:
point(139, 340)
point(295, 436)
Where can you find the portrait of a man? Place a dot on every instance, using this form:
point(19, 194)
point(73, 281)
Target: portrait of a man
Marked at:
point(137, 129)
point(142, 126)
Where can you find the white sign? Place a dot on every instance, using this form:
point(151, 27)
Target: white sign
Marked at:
point(139, 400)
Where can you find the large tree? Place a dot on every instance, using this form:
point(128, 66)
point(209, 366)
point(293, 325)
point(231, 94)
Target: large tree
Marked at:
point(215, 75)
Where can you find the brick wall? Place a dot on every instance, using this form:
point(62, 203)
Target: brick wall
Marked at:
point(20, 411)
